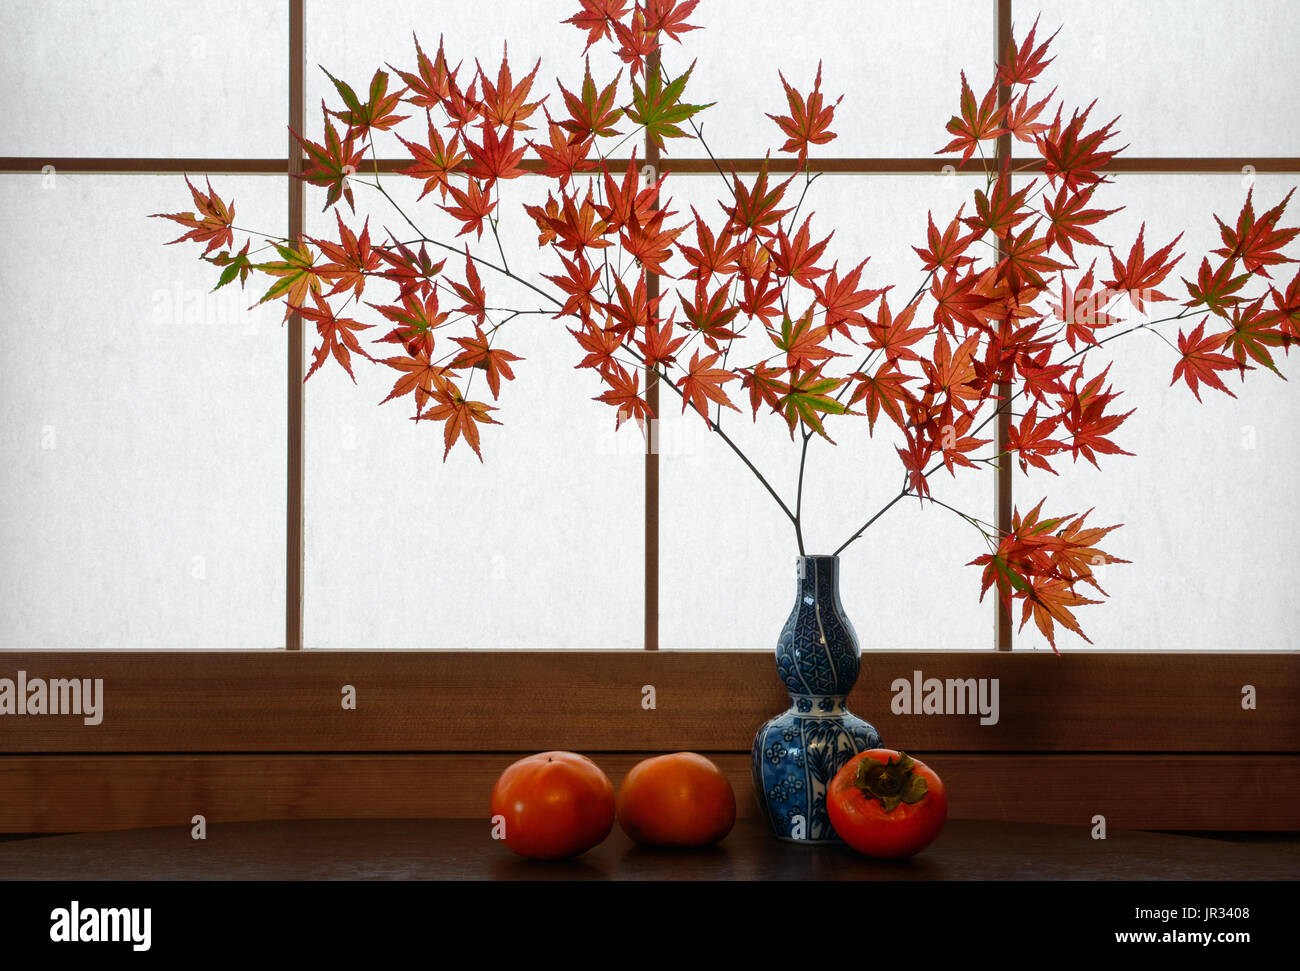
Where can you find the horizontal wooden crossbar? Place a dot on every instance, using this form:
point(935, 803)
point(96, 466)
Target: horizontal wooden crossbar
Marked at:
point(473, 701)
point(920, 165)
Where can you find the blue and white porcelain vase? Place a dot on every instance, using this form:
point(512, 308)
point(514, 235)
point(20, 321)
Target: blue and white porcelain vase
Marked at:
point(797, 753)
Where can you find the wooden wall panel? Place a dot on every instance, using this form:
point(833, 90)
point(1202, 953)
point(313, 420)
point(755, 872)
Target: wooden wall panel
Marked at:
point(64, 793)
point(450, 701)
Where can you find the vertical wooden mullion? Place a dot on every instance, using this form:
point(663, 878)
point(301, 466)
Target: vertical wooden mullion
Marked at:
point(1002, 617)
point(652, 438)
point(294, 497)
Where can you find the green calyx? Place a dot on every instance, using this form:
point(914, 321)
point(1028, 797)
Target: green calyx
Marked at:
point(892, 781)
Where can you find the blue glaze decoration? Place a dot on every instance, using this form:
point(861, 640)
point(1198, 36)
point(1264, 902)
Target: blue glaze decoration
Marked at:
point(797, 753)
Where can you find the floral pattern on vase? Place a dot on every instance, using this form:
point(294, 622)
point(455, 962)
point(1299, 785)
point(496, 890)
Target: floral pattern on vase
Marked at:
point(797, 753)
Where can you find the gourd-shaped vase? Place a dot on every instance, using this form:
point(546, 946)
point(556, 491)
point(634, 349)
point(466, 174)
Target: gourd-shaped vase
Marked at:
point(797, 753)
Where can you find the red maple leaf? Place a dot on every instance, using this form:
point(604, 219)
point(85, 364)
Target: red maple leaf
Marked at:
point(976, 123)
point(797, 258)
point(411, 271)
point(945, 252)
point(1032, 440)
point(563, 158)
point(1068, 219)
point(375, 113)
point(493, 158)
point(765, 386)
point(461, 417)
point(1021, 66)
point(471, 291)
point(915, 458)
point(804, 344)
point(338, 336)
point(211, 224)
point(659, 347)
point(1072, 155)
point(1082, 309)
point(623, 394)
point(430, 84)
point(755, 209)
point(843, 301)
point(505, 104)
point(1021, 118)
point(1140, 275)
point(650, 244)
point(711, 315)
point(1217, 289)
point(1084, 417)
point(577, 228)
point(597, 18)
point(1286, 310)
point(600, 343)
point(332, 163)
point(633, 309)
point(478, 352)
point(669, 16)
point(579, 283)
point(435, 162)
point(714, 255)
point(1049, 600)
point(417, 317)
point(809, 120)
point(626, 201)
point(1257, 242)
point(884, 389)
point(637, 41)
point(895, 335)
point(703, 383)
point(1200, 360)
point(1252, 335)
point(472, 207)
point(351, 259)
point(418, 376)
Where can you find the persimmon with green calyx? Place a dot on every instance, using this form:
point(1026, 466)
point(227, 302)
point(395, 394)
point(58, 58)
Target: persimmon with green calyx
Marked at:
point(678, 800)
point(886, 804)
point(553, 805)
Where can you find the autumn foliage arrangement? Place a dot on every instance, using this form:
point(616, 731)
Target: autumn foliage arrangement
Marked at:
point(1013, 291)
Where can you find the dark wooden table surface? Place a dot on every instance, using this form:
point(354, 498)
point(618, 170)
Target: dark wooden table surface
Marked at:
point(461, 849)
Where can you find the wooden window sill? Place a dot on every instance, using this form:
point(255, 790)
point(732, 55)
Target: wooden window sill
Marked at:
point(462, 849)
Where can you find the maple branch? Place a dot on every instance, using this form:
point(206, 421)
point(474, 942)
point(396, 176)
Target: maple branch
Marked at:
point(1146, 324)
point(1005, 405)
point(973, 520)
point(662, 376)
point(422, 238)
point(798, 505)
point(865, 526)
point(496, 235)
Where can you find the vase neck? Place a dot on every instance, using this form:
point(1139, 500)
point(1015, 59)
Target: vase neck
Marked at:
point(819, 578)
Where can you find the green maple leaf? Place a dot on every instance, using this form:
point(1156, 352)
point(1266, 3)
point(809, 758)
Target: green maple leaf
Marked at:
point(659, 108)
point(808, 399)
point(295, 273)
point(236, 264)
